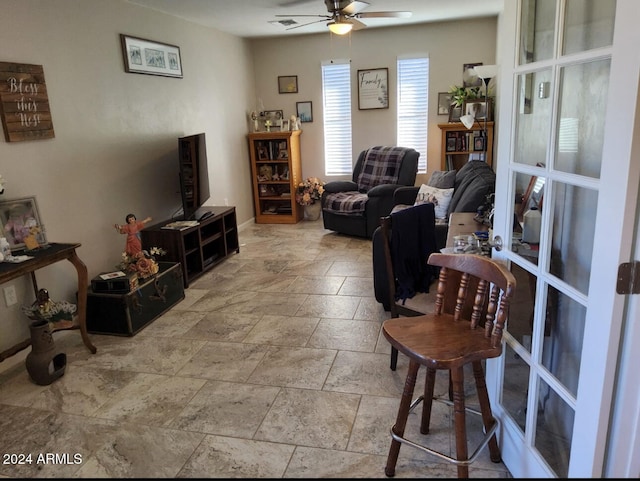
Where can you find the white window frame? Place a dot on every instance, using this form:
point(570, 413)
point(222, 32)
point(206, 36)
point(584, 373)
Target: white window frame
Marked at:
point(413, 105)
point(336, 103)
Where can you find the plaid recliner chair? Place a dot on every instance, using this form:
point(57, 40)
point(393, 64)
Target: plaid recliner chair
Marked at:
point(354, 207)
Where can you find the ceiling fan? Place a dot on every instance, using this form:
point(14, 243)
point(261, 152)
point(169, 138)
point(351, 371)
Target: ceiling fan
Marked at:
point(344, 14)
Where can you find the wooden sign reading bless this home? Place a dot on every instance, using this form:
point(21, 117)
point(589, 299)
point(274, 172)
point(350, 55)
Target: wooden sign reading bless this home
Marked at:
point(24, 104)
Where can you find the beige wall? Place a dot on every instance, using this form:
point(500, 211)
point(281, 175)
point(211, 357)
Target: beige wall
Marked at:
point(115, 145)
point(448, 45)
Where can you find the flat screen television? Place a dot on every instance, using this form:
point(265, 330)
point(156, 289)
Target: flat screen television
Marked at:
point(194, 176)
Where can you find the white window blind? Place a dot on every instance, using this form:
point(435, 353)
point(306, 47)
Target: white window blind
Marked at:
point(336, 93)
point(413, 103)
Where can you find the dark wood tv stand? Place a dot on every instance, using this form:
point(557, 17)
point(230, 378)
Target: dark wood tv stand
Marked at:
point(199, 248)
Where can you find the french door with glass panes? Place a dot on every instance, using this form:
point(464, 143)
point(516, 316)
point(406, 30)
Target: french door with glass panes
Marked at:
point(568, 87)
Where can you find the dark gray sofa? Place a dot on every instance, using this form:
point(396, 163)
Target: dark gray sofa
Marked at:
point(473, 182)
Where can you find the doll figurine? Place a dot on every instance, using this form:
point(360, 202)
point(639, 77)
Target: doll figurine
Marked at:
point(132, 228)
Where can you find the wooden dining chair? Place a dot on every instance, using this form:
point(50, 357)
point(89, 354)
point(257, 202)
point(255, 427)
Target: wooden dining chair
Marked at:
point(410, 244)
point(449, 341)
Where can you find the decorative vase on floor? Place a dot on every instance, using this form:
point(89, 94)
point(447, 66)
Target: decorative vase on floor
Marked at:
point(44, 363)
point(312, 211)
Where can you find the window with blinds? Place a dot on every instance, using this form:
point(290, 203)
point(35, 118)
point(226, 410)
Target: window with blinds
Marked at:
point(413, 103)
point(336, 95)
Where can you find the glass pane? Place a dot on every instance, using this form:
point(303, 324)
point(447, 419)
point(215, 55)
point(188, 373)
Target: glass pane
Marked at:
point(536, 38)
point(588, 25)
point(515, 387)
point(564, 333)
point(573, 231)
point(580, 129)
point(528, 211)
point(533, 119)
point(520, 322)
point(554, 429)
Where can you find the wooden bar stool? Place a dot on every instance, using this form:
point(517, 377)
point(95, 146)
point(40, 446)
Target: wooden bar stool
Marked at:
point(483, 289)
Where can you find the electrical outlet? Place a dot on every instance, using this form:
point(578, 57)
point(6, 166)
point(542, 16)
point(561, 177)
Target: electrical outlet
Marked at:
point(226, 201)
point(10, 297)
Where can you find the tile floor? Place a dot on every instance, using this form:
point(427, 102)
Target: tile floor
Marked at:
point(272, 367)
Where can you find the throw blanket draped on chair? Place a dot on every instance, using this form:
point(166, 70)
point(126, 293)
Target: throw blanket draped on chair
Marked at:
point(381, 166)
point(413, 239)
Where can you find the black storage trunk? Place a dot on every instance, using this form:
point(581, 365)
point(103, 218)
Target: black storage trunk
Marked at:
point(126, 314)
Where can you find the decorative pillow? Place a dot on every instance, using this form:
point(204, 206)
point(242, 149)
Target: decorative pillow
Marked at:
point(440, 198)
point(443, 179)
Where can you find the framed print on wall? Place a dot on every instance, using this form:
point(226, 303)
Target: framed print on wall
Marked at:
point(150, 57)
point(304, 111)
point(288, 84)
point(373, 89)
point(17, 219)
point(444, 103)
point(469, 80)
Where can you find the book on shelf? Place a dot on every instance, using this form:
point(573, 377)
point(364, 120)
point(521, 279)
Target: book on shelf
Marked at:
point(180, 224)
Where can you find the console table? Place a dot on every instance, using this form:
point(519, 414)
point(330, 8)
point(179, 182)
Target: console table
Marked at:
point(42, 258)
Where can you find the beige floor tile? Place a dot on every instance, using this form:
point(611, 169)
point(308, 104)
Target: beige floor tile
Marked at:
point(274, 365)
point(282, 331)
point(303, 368)
point(325, 421)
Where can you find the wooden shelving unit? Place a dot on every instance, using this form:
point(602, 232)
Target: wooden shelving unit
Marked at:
point(459, 144)
point(275, 173)
point(197, 248)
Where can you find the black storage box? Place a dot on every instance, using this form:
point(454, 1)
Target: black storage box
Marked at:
point(125, 314)
point(114, 284)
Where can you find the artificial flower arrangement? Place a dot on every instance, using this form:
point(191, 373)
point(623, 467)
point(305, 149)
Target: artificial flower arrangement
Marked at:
point(143, 263)
point(309, 191)
point(58, 313)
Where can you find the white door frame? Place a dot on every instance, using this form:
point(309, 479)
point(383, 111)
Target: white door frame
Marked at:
point(613, 239)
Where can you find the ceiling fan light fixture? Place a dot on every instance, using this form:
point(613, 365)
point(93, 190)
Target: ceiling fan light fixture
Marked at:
point(340, 28)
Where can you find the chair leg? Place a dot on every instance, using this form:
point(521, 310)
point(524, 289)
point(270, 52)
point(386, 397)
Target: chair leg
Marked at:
point(457, 380)
point(485, 408)
point(401, 420)
point(394, 358)
point(429, 383)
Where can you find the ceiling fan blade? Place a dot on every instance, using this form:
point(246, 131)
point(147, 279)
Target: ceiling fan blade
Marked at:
point(354, 7)
point(293, 3)
point(305, 24)
point(357, 24)
point(327, 17)
point(383, 15)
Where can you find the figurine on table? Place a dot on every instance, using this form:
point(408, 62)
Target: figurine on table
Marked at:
point(132, 228)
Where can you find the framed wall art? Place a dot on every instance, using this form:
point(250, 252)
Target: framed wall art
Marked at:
point(469, 80)
point(444, 103)
point(150, 57)
point(19, 219)
point(304, 111)
point(288, 84)
point(373, 89)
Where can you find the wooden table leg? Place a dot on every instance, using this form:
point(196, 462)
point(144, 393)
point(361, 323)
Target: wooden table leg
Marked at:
point(83, 282)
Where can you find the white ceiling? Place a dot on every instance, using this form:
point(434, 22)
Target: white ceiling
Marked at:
point(250, 18)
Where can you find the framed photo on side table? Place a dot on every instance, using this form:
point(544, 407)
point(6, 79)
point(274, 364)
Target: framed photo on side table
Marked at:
point(19, 218)
point(151, 58)
point(479, 108)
